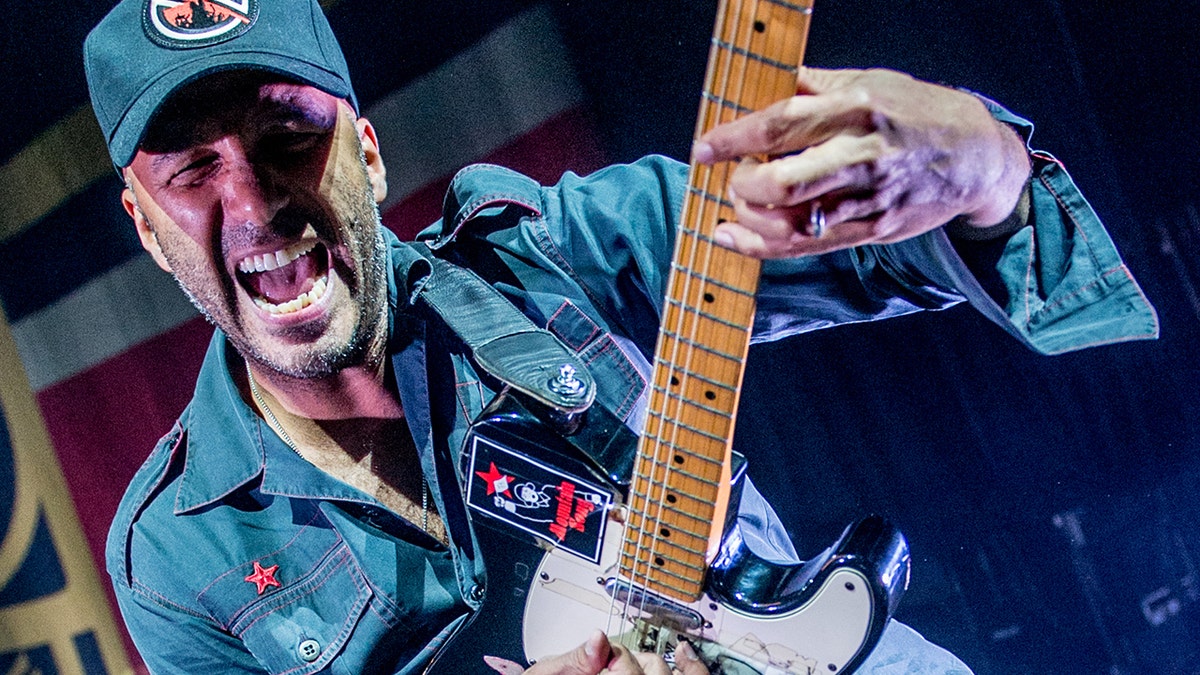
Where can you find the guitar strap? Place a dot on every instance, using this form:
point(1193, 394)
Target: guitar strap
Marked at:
point(505, 342)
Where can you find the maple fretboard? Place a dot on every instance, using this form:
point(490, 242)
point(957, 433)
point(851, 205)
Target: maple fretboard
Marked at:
point(677, 500)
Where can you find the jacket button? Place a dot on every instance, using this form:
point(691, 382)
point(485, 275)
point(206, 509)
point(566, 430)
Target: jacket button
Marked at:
point(476, 593)
point(309, 650)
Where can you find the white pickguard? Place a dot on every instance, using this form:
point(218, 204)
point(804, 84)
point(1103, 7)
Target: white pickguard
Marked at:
point(568, 600)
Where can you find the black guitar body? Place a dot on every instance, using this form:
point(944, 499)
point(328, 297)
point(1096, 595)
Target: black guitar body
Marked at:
point(545, 495)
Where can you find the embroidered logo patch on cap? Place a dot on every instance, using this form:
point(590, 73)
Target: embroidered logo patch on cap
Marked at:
point(180, 24)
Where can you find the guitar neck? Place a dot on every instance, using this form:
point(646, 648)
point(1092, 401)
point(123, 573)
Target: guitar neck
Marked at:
point(678, 492)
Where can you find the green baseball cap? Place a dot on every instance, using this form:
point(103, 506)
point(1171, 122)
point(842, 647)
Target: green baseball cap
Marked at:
point(145, 50)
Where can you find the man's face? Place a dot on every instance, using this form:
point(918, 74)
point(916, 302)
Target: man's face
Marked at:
point(256, 194)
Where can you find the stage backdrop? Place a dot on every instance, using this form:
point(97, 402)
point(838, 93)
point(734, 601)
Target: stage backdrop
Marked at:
point(1051, 503)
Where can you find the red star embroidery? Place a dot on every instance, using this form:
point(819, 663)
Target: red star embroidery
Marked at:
point(263, 577)
point(496, 481)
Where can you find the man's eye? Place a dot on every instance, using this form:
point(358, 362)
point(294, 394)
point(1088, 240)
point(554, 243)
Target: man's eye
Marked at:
point(290, 143)
point(194, 172)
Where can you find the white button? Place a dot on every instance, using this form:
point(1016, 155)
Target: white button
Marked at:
point(309, 650)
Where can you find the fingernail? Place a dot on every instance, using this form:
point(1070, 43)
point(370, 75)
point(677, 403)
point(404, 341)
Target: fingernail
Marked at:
point(702, 152)
point(685, 650)
point(723, 238)
point(592, 646)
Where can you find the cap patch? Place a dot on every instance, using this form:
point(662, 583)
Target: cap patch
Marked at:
point(182, 24)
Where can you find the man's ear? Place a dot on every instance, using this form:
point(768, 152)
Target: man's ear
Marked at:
point(376, 172)
point(144, 229)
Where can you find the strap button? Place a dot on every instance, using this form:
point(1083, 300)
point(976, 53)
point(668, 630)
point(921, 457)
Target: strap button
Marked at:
point(309, 650)
point(477, 593)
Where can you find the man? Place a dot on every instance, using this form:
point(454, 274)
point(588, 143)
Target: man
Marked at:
point(306, 513)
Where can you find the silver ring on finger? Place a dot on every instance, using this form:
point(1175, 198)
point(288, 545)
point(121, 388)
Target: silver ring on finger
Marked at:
point(816, 221)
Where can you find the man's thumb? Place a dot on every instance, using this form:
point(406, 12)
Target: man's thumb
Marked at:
point(588, 658)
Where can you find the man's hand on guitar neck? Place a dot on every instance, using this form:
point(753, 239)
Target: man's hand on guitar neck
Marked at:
point(598, 655)
point(885, 156)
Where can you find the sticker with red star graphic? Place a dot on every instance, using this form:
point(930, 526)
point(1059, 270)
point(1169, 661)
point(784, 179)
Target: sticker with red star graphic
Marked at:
point(496, 481)
point(539, 498)
point(263, 577)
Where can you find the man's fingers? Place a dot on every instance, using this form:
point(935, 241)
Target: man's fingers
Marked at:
point(588, 658)
point(787, 126)
point(686, 661)
point(652, 664)
point(845, 163)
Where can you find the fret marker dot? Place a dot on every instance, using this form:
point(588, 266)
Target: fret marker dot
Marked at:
point(671, 499)
point(679, 459)
point(674, 381)
point(710, 395)
point(708, 297)
point(660, 562)
point(759, 26)
point(665, 532)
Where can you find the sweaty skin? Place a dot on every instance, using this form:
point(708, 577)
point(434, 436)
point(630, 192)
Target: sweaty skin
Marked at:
point(244, 169)
point(886, 156)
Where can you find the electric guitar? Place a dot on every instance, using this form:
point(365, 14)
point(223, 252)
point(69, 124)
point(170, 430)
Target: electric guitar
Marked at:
point(570, 546)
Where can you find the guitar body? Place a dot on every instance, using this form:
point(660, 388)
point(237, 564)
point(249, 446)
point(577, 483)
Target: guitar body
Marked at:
point(755, 616)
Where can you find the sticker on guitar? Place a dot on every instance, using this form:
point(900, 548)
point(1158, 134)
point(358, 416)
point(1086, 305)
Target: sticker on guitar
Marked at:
point(544, 501)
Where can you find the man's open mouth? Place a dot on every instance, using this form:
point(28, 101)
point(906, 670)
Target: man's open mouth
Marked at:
point(287, 280)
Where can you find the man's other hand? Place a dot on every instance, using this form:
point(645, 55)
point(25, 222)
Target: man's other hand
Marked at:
point(598, 655)
point(885, 157)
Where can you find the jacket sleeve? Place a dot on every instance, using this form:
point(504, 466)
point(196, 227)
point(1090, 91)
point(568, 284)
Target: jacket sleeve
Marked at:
point(1060, 283)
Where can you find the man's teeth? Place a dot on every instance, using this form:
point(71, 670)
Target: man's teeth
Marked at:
point(299, 303)
point(269, 261)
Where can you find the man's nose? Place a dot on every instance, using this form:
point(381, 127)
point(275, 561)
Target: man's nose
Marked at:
point(250, 194)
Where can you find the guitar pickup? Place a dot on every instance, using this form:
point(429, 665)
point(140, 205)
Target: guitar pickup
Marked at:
point(664, 610)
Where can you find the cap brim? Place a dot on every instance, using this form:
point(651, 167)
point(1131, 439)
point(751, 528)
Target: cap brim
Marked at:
point(129, 130)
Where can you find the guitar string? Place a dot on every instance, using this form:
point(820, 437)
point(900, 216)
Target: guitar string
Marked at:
point(651, 535)
point(646, 474)
point(742, 81)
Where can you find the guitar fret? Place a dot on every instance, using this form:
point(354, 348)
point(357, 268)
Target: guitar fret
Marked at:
point(710, 280)
point(712, 317)
point(677, 397)
point(682, 450)
point(657, 541)
point(676, 423)
point(742, 51)
point(662, 584)
point(677, 472)
point(701, 509)
point(662, 569)
point(673, 508)
point(702, 347)
point(674, 527)
point(795, 8)
point(675, 368)
point(726, 103)
point(708, 196)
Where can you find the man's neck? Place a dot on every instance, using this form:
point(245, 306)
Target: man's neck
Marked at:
point(356, 392)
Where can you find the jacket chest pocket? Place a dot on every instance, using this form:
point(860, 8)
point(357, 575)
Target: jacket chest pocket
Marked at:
point(304, 623)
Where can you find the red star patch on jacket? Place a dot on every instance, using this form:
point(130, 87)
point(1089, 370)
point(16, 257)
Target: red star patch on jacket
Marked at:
point(496, 481)
point(263, 577)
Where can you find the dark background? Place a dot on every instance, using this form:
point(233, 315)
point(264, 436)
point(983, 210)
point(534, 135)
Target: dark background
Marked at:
point(1051, 503)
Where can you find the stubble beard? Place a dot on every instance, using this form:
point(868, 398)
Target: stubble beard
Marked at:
point(313, 360)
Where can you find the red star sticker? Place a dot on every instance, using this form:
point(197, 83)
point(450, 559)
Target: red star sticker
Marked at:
point(263, 577)
point(496, 481)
